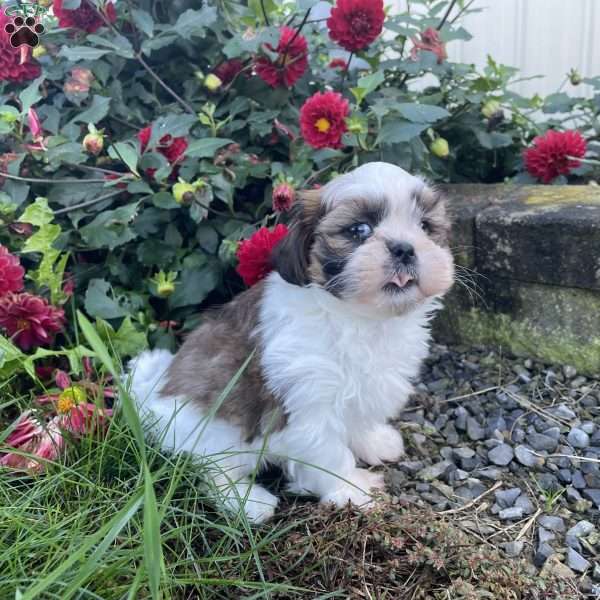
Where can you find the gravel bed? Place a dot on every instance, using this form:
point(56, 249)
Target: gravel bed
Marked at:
point(510, 448)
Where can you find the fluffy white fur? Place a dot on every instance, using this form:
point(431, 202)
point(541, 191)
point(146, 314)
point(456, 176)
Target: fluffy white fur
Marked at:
point(340, 373)
point(340, 369)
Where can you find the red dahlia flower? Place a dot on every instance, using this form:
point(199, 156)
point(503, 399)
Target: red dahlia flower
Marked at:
point(338, 63)
point(291, 62)
point(323, 120)
point(30, 436)
point(11, 272)
point(29, 320)
point(227, 71)
point(173, 149)
point(554, 154)
point(11, 67)
point(85, 17)
point(431, 42)
point(283, 197)
point(254, 254)
point(354, 24)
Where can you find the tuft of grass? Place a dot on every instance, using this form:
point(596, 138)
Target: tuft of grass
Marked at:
point(118, 519)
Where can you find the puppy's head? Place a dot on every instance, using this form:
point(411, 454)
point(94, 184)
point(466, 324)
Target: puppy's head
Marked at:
point(376, 236)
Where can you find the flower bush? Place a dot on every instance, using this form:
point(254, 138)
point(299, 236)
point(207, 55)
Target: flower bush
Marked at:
point(144, 140)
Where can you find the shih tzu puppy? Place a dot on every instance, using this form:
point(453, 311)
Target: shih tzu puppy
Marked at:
point(330, 342)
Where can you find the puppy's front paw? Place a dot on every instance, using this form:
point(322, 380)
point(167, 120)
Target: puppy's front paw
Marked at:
point(357, 492)
point(381, 444)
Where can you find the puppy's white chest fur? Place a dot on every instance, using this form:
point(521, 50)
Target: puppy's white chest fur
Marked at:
point(325, 360)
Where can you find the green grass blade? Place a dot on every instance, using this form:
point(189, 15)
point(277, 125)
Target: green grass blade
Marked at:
point(153, 555)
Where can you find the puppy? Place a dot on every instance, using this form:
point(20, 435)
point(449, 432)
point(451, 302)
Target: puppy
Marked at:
point(330, 342)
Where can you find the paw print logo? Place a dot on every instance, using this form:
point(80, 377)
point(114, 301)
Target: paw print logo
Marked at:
point(24, 31)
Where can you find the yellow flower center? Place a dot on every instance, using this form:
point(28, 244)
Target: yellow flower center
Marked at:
point(69, 397)
point(323, 125)
point(23, 325)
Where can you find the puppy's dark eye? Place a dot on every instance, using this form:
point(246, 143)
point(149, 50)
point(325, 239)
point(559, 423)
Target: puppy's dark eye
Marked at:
point(361, 231)
point(426, 226)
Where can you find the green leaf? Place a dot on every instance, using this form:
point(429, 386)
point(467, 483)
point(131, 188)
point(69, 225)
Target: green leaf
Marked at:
point(119, 44)
point(96, 112)
point(99, 303)
point(110, 228)
point(195, 285)
point(206, 147)
point(77, 53)
point(207, 237)
point(11, 358)
point(367, 84)
point(31, 94)
point(422, 113)
point(126, 152)
point(194, 22)
point(493, 140)
point(38, 213)
point(400, 131)
point(42, 239)
point(164, 200)
point(126, 341)
point(143, 21)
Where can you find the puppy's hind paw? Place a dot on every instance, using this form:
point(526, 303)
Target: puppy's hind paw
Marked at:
point(381, 444)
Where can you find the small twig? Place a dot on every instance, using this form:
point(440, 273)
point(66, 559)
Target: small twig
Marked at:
point(525, 403)
point(477, 393)
point(527, 525)
point(446, 15)
point(173, 93)
point(42, 180)
point(264, 12)
point(302, 24)
point(87, 202)
point(461, 12)
point(453, 511)
point(571, 456)
point(347, 69)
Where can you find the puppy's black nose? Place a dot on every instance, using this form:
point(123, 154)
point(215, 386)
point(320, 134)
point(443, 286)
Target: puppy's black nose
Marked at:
point(403, 251)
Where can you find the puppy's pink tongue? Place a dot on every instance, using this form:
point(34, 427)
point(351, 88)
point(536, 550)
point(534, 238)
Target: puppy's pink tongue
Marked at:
point(401, 279)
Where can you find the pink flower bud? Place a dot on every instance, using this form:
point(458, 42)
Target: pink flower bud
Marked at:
point(283, 197)
point(35, 125)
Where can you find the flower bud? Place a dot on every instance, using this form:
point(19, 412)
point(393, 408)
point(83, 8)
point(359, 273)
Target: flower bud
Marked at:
point(283, 196)
point(70, 397)
point(93, 143)
point(212, 82)
point(9, 117)
point(38, 51)
point(575, 77)
point(165, 289)
point(356, 125)
point(490, 108)
point(440, 148)
point(183, 192)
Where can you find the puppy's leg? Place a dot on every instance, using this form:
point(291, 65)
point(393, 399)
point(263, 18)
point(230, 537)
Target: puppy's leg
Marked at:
point(327, 468)
point(257, 502)
point(382, 443)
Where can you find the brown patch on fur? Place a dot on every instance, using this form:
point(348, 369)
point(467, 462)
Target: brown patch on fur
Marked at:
point(433, 205)
point(212, 355)
point(291, 256)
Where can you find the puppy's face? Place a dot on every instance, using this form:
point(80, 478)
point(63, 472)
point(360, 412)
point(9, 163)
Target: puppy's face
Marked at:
point(376, 236)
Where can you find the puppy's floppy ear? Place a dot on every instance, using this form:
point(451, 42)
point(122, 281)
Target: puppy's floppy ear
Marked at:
point(291, 256)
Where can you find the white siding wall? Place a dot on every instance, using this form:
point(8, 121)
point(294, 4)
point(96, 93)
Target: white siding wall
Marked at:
point(540, 37)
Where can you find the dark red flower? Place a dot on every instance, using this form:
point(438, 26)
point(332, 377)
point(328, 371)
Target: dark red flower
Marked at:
point(291, 61)
point(227, 71)
point(354, 24)
point(283, 197)
point(11, 272)
point(554, 154)
point(29, 320)
point(254, 254)
point(338, 63)
point(173, 149)
point(323, 120)
point(432, 42)
point(11, 67)
point(85, 17)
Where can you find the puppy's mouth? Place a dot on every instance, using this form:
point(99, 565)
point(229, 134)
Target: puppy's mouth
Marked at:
point(400, 283)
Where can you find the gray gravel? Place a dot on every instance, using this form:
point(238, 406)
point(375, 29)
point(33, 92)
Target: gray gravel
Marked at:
point(480, 420)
